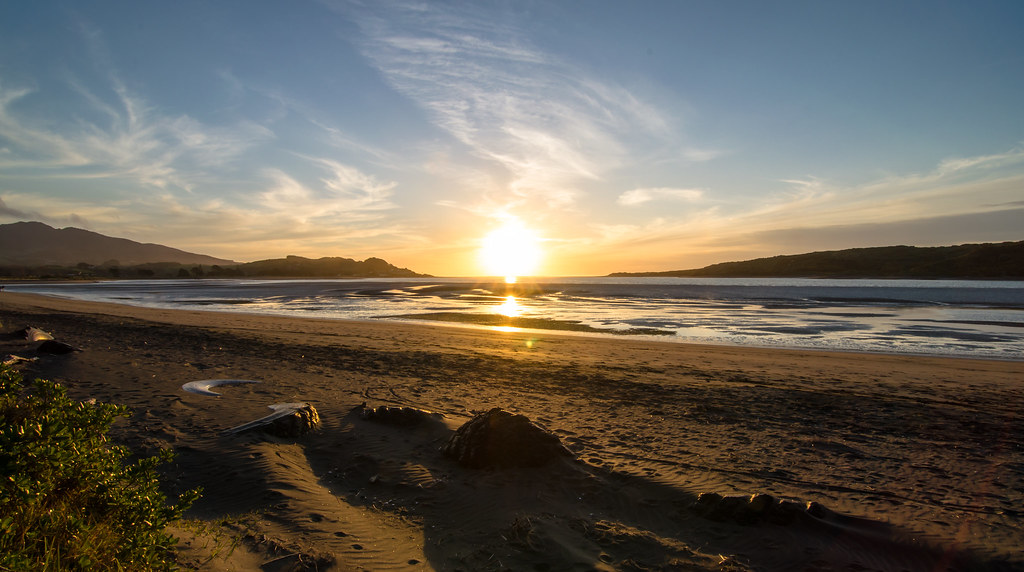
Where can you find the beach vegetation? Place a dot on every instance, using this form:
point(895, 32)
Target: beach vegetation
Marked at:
point(70, 499)
point(215, 540)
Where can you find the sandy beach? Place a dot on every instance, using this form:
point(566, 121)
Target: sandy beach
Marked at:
point(881, 462)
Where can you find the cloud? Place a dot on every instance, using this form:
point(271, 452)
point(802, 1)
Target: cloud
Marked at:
point(8, 212)
point(76, 211)
point(27, 146)
point(341, 140)
point(549, 125)
point(972, 185)
point(975, 199)
point(98, 128)
point(344, 211)
point(137, 144)
point(955, 186)
point(697, 155)
point(956, 165)
point(36, 213)
point(347, 195)
point(645, 195)
point(943, 230)
point(359, 191)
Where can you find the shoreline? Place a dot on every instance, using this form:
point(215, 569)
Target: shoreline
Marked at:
point(892, 447)
point(484, 322)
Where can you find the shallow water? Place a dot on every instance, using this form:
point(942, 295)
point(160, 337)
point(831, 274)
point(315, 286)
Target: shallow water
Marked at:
point(937, 317)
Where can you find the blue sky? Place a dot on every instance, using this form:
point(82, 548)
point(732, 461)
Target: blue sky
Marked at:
point(628, 136)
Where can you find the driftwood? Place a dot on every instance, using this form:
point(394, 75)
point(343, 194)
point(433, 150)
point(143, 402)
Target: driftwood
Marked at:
point(49, 345)
point(34, 334)
point(202, 387)
point(400, 416)
point(13, 360)
point(287, 420)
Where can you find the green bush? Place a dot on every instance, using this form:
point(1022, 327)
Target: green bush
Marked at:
point(68, 498)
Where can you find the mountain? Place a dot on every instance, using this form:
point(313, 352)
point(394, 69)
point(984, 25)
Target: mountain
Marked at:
point(330, 266)
point(37, 244)
point(35, 249)
point(1003, 260)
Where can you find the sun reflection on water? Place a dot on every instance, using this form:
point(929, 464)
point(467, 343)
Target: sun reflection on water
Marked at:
point(509, 308)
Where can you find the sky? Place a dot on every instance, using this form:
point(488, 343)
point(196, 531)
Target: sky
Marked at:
point(626, 136)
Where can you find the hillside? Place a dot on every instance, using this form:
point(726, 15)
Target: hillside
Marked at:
point(1003, 260)
point(36, 250)
point(326, 267)
point(37, 244)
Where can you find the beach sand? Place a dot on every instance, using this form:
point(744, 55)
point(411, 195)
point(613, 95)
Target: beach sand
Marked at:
point(908, 463)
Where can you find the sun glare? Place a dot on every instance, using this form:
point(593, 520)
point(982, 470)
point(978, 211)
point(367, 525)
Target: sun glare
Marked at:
point(509, 308)
point(512, 250)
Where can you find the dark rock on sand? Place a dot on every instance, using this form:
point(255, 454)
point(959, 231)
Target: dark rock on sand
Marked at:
point(499, 439)
point(401, 416)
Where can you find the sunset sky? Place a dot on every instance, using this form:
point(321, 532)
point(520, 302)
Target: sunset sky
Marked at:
point(626, 135)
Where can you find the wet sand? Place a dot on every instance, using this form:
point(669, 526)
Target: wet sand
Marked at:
point(908, 463)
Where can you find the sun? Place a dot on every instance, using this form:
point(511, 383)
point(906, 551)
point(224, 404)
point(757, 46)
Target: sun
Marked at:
point(510, 250)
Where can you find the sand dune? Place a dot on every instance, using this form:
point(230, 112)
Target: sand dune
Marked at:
point(858, 462)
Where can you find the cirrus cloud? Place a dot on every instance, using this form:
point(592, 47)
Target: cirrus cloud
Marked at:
point(645, 195)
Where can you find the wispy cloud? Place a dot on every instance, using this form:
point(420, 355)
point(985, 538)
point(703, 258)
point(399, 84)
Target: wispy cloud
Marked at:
point(640, 196)
point(954, 186)
point(346, 195)
point(344, 212)
point(6, 211)
point(108, 131)
point(957, 165)
point(169, 177)
point(137, 144)
point(960, 200)
point(26, 146)
point(698, 155)
point(550, 126)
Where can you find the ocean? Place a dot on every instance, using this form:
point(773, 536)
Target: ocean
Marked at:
point(982, 319)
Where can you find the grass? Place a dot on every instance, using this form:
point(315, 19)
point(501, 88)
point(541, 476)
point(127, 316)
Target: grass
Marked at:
point(68, 498)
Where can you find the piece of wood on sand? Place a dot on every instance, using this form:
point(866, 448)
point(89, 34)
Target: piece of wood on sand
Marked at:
point(287, 420)
point(202, 387)
point(34, 334)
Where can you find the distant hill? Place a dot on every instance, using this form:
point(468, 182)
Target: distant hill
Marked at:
point(1003, 260)
point(327, 267)
point(37, 244)
point(33, 249)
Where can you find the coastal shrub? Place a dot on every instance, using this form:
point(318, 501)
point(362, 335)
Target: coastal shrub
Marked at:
point(68, 498)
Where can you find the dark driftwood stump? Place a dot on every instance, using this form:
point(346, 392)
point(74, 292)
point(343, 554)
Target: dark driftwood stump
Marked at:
point(499, 439)
point(287, 420)
point(401, 416)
